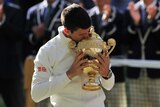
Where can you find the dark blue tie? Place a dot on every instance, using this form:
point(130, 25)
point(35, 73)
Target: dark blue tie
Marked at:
point(144, 16)
point(48, 15)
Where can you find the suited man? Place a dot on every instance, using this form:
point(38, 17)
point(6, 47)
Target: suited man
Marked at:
point(142, 38)
point(11, 36)
point(43, 20)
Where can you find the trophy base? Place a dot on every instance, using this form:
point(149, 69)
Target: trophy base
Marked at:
point(91, 87)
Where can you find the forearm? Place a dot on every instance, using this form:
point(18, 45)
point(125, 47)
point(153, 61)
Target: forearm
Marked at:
point(42, 89)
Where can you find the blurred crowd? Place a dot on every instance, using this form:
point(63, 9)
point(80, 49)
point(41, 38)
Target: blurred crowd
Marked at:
point(25, 25)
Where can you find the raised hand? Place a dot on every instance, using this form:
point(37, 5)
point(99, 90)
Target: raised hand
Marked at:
point(38, 30)
point(106, 12)
point(151, 10)
point(134, 12)
point(1, 11)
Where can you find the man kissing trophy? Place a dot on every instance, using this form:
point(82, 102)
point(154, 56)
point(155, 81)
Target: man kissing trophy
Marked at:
point(91, 47)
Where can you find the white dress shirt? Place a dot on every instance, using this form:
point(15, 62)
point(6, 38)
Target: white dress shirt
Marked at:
point(50, 79)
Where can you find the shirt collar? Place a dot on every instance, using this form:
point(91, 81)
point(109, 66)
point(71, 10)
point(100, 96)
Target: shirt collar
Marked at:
point(62, 36)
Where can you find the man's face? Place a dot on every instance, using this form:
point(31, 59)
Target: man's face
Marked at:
point(80, 34)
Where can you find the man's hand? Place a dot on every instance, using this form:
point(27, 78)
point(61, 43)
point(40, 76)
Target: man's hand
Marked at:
point(77, 66)
point(1, 11)
point(151, 10)
point(102, 64)
point(106, 12)
point(134, 12)
point(38, 30)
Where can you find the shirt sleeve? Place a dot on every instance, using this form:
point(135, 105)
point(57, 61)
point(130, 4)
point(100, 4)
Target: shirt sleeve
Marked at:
point(44, 83)
point(108, 83)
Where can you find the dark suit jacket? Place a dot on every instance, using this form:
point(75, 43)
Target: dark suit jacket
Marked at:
point(143, 43)
point(11, 35)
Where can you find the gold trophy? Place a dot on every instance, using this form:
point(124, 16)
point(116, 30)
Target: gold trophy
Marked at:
point(90, 47)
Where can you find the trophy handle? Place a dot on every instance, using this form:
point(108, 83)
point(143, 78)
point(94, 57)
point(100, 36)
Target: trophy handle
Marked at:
point(111, 43)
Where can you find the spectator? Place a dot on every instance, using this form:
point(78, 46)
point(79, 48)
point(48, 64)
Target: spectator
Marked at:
point(143, 40)
point(43, 20)
point(11, 36)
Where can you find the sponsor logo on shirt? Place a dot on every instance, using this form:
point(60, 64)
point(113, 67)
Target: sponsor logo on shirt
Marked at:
point(41, 69)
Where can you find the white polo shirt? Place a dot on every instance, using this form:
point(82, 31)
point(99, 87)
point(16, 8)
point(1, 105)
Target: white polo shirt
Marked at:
point(50, 79)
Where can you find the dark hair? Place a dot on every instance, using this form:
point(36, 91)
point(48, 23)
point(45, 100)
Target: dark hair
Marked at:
point(74, 17)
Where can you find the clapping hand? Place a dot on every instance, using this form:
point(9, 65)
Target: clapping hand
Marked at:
point(1, 11)
point(134, 12)
point(106, 12)
point(151, 10)
point(39, 30)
